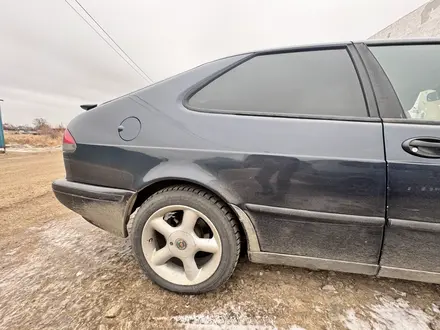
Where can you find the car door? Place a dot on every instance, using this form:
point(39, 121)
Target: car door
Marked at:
point(408, 88)
point(313, 175)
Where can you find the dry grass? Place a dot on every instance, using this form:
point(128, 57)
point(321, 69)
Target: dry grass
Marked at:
point(47, 140)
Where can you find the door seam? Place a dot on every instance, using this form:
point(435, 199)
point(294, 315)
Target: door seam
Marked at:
point(387, 190)
point(387, 186)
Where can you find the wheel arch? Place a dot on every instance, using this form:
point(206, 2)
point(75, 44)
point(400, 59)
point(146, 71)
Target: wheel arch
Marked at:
point(247, 228)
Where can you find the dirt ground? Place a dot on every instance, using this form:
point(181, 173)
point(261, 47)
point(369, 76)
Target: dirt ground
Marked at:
point(59, 272)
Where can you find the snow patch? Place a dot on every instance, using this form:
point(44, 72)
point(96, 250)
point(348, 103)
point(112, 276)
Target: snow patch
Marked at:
point(231, 316)
point(387, 314)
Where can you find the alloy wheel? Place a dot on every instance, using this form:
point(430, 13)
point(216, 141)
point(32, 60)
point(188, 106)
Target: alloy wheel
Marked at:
point(181, 245)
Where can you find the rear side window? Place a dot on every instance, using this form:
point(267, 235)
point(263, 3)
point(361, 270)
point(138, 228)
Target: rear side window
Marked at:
point(414, 71)
point(323, 83)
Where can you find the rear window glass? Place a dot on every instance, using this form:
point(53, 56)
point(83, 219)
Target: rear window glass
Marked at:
point(414, 71)
point(321, 82)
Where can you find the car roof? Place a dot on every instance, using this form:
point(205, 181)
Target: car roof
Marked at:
point(375, 42)
point(417, 41)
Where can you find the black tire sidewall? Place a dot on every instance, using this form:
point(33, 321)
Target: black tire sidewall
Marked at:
point(214, 211)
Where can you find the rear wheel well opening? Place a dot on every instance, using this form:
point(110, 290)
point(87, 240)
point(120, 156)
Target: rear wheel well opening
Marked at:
point(145, 193)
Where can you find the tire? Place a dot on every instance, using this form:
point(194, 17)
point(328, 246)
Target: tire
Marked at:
point(219, 219)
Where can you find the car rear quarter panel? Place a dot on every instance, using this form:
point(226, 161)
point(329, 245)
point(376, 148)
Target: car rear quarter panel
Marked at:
point(310, 162)
point(231, 150)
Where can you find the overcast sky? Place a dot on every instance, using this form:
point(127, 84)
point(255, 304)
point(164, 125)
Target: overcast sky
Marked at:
point(51, 61)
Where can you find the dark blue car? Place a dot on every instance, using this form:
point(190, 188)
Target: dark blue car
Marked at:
point(324, 156)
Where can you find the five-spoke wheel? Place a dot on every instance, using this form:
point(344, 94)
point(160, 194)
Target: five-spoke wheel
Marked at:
point(181, 245)
point(186, 239)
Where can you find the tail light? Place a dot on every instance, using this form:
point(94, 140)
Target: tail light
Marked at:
point(69, 144)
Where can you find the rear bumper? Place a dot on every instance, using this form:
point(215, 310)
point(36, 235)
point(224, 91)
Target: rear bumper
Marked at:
point(106, 208)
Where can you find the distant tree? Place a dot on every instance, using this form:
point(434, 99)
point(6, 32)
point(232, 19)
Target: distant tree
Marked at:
point(40, 124)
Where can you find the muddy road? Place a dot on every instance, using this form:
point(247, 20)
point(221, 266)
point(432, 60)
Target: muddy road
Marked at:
point(59, 272)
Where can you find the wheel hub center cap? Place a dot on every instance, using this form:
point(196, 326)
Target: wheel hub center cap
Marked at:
point(181, 244)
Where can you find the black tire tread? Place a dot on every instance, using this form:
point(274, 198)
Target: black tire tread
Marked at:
point(219, 204)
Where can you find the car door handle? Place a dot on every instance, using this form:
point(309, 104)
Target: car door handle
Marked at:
point(427, 147)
